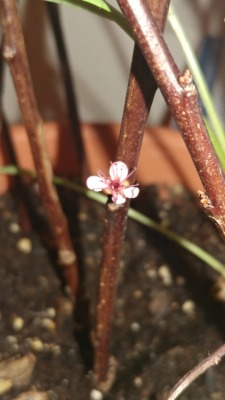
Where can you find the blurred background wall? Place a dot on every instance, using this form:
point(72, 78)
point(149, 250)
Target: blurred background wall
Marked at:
point(100, 55)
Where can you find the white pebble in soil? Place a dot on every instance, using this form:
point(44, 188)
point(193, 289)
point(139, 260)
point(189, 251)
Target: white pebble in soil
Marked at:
point(96, 395)
point(151, 273)
point(14, 227)
point(17, 324)
point(135, 327)
point(24, 245)
point(138, 382)
point(48, 324)
point(36, 344)
point(165, 275)
point(51, 312)
point(188, 307)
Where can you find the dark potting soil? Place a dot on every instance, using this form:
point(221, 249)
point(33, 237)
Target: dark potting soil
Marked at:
point(169, 312)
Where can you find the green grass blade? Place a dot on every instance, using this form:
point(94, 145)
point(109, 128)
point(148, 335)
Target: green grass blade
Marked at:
point(199, 79)
point(186, 244)
point(133, 214)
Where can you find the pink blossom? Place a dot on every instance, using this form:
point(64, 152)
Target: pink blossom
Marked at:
point(116, 184)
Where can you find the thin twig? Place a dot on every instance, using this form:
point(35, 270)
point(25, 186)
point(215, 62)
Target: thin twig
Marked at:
point(195, 372)
point(140, 94)
point(15, 54)
point(182, 99)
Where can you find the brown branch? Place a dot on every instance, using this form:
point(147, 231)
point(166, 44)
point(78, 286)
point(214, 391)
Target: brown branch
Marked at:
point(140, 94)
point(195, 372)
point(15, 54)
point(181, 97)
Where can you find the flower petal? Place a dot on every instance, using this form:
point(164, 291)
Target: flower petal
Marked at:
point(96, 183)
point(118, 198)
point(131, 192)
point(118, 171)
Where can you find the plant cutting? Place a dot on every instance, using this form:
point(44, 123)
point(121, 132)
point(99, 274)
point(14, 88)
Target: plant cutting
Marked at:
point(152, 66)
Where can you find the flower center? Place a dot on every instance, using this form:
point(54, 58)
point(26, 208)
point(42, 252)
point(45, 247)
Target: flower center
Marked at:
point(115, 185)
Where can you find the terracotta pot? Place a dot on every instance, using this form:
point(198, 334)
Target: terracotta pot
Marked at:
point(164, 157)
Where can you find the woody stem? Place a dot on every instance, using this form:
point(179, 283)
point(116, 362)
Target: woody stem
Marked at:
point(181, 96)
point(15, 54)
point(140, 94)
